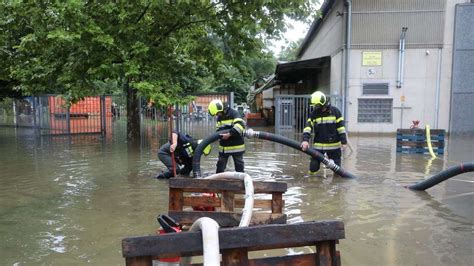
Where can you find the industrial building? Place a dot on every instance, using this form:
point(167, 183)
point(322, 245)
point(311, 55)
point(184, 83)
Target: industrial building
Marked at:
point(385, 63)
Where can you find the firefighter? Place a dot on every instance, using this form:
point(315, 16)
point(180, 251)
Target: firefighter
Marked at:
point(327, 124)
point(182, 146)
point(231, 143)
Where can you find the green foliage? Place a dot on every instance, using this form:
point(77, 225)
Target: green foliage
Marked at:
point(290, 53)
point(164, 49)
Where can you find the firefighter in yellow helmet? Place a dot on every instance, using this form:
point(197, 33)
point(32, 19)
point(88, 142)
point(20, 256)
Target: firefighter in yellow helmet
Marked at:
point(182, 146)
point(327, 124)
point(232, 142)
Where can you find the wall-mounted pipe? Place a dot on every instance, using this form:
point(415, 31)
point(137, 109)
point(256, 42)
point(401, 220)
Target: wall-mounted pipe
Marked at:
point(347, 57)
point(401, 57)
point(438, 86)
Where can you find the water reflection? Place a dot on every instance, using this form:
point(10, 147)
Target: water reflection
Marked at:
point(70, 200)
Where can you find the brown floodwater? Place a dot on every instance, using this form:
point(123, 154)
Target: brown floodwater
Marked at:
point(71, 200)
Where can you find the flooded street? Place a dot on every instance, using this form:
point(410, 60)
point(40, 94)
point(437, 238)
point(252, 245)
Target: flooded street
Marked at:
point(72, 200)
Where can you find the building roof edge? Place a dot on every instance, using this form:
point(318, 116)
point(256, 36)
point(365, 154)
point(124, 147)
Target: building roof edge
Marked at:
point(327, 5)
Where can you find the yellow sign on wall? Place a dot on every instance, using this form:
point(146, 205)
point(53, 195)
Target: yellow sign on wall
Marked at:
point(371, 58)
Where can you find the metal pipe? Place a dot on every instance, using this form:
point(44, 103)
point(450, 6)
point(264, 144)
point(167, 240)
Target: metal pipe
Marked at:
point(347, 60)
point(438, 85)
point(402, 67)
point(401, 57)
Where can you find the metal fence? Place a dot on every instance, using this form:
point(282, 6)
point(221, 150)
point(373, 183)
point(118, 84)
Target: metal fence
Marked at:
point(50, 115)
point(106, 115)
point(292, 111)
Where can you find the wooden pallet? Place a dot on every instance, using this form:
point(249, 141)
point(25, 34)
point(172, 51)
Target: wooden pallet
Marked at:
point(414, 141)
point(185, 193)
point(235, 243)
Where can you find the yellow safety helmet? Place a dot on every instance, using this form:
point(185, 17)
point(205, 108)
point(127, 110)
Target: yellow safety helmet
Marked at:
point(318, 99)
point(207, 149)
point(215, 106)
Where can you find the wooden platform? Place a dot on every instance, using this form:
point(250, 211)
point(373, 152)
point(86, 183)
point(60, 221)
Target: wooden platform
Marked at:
point(185, 193)
point(414, 140)
point(235, 243)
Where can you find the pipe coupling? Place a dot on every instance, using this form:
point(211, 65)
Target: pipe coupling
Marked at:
point(250, 133)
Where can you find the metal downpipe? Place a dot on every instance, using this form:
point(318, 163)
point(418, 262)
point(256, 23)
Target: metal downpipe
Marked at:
point(347, 57)
point(438, 85)
point(401, 58)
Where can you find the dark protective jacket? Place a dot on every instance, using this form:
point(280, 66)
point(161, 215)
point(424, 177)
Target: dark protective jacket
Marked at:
point(328, 128)
point(185, 148)
point(232, 120)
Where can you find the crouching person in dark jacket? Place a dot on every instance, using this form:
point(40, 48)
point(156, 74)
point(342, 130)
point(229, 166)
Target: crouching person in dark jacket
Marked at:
point(182, 146)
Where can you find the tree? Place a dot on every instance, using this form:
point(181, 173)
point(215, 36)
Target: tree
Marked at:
point(158, 49)
point(290, 53)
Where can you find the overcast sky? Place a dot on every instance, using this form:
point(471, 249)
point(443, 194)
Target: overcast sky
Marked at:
point(297, 31)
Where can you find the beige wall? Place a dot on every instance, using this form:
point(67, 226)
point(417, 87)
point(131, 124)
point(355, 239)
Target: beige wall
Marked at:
point(330, 38)
point(418, 88)
point(421, 66)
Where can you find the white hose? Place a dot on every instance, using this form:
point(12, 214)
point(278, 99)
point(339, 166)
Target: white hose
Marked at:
point(210, 239)
point(210, 228)
point(249, 193)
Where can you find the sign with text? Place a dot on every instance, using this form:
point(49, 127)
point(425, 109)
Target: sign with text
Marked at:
point(371, 58)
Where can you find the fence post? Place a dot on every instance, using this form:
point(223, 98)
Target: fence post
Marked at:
point(14, 113)
point(68, 119)
point(177, 112)
point(103, 115)
point(231, 99)
point(39, 106)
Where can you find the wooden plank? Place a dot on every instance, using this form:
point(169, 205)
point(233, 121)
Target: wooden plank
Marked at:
point(405, 131)
point(195, 201)
point(235, 257)
point(175, 202)
point(139, 261)
point(226, 219)
point(252, 238)
point(419, 144)
point(227, 201)
point(420, 131)
point(213, 185)
point(300, 260)
point(277, 203)
point(258, 203)
point(323, 255)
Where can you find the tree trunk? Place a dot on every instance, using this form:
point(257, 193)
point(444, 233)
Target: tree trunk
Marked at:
point(133, 113)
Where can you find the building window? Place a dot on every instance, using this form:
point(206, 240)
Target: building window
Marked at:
point(375, 89)
point(375, 111)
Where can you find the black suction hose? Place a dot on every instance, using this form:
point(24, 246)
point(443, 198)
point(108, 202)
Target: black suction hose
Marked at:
point(271, 137)
point(198, 152)
point(441, 176)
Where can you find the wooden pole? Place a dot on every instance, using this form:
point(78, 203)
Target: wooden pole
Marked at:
point(170, 135)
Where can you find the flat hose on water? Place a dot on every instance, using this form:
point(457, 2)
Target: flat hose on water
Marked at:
point(441, 176)
point(271, 137)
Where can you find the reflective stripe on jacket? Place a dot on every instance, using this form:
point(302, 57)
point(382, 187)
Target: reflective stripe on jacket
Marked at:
point(328, 127)
point(185, 146)
point(231, 120)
